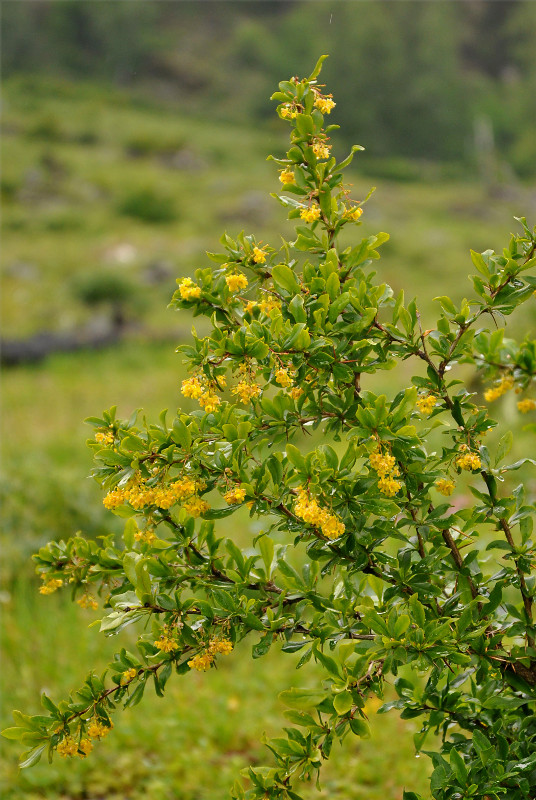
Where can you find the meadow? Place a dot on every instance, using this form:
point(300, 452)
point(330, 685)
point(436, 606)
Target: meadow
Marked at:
point(99, 182)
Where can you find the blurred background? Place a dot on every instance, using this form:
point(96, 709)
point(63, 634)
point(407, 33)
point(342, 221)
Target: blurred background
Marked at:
point(134, 134)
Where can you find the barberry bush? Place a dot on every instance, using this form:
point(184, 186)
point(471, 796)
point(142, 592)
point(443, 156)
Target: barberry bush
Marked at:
point(396, 553)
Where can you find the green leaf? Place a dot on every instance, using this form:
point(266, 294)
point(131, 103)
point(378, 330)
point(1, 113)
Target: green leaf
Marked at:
point(296, 458)
point(302, 698)
point(342, 702)
point(458, 765)
point(13, 733)
point(360, 727)
point(504, 446)
point(285, 279)
point(32, 757)
point(318, 66)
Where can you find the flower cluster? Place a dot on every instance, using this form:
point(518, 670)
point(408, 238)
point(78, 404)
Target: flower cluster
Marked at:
point(325, 103)
point(69, 747)
point(98, 730)
point(104, 437)
point(286, 176)
point(426, 403)
point(196, 506)
point(148, 535)
point(235, 495)
point(203, 661)
point(445, 486)
point(289, 111)
point(468, 461)
point(526, 405)
point(199, 389)
point(505, 384)
point(283, 377)
point(128, 675)
point(87, 601)
point(296, 392)
point(307, 509)
point(310, 214)
point(352, 213)
point(236, 282)
point(321, 149)
point(139, 495)
point(259, 255)
point(246, 390)
point(50, 585)
point(166, 643)
point(189, 290)
point(385, 467)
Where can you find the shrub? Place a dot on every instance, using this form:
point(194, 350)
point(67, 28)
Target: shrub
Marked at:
point(148, 205)
point(367, 568)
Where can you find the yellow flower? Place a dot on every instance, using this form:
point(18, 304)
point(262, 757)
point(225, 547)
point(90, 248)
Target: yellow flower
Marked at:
point(250, 305)
point(469, 462)
point(114, 498)
point(321, 149)
point(526, 405)
point(195, 506)
point(147, 536)
point(445, 486)
point(50, 585)
point(325, 104)
point(310, 214)
point(269, 304)
point(353, 213)
point(307, 509)
point(289, 112)
point(235, 495)
point(296, 392)
point(259, 255)
point(283, 378)
point(236, 282)
point(388, 486)
point(166, 644)
point(84, 748)
point(128, 675)
point(67, 747)
point(201, 662)
point(505, 384)
point(382, 464)
point(426, 403)
point(189, 290)
point(209, 401)
point(104, 437)
point(286, 176)
point(97, 730)
point(246, 390)
point(220, 645)
point(192, 387)
point(87, 601)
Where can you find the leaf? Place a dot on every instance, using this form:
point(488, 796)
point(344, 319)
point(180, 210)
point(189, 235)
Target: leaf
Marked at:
point(285, 279)
point(360, 727)
point(32, 757)
point(13, 733)
point(504, 446)
point(458, 765)
point(498, 702)
point(343, 702)
point(302, 698)
point(318, 66)
point(296, 458)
